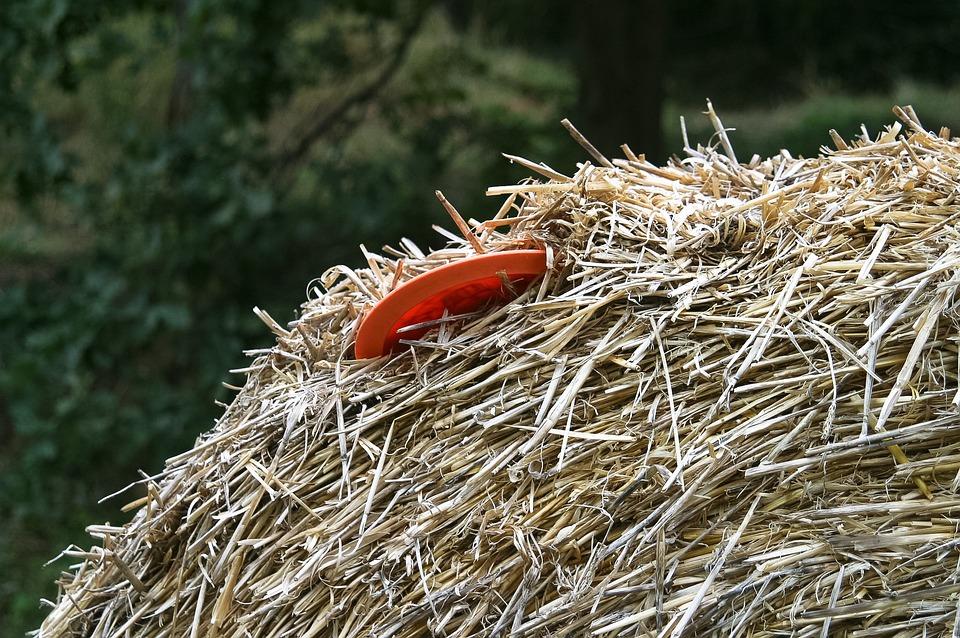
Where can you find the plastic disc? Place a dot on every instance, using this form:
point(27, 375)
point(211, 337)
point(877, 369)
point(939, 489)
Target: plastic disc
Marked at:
point(457, 288)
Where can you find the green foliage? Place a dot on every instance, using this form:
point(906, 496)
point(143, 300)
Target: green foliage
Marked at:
point(802, 127)
point(154, 141)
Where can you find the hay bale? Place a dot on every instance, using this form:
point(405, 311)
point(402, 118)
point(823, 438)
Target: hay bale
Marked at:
point(730, 407)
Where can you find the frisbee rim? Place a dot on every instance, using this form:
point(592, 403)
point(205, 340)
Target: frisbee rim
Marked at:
point(380, 322)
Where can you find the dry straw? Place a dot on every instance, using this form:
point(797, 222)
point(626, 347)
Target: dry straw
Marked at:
point(731, 408)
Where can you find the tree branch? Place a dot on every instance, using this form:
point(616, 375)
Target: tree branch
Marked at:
point(318, 124)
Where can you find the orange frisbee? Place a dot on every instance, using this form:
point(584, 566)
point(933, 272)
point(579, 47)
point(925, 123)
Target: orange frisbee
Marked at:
point(457, 288)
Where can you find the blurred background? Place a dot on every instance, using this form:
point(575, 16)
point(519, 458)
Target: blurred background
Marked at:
point(167, 165)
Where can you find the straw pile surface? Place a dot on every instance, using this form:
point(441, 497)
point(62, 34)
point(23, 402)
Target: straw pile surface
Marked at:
point(730, 408)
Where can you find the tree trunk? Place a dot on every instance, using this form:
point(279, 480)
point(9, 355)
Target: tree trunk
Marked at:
point(181, 89)
point(620, 67)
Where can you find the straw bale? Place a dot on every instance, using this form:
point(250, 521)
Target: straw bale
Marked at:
point(731, 407)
